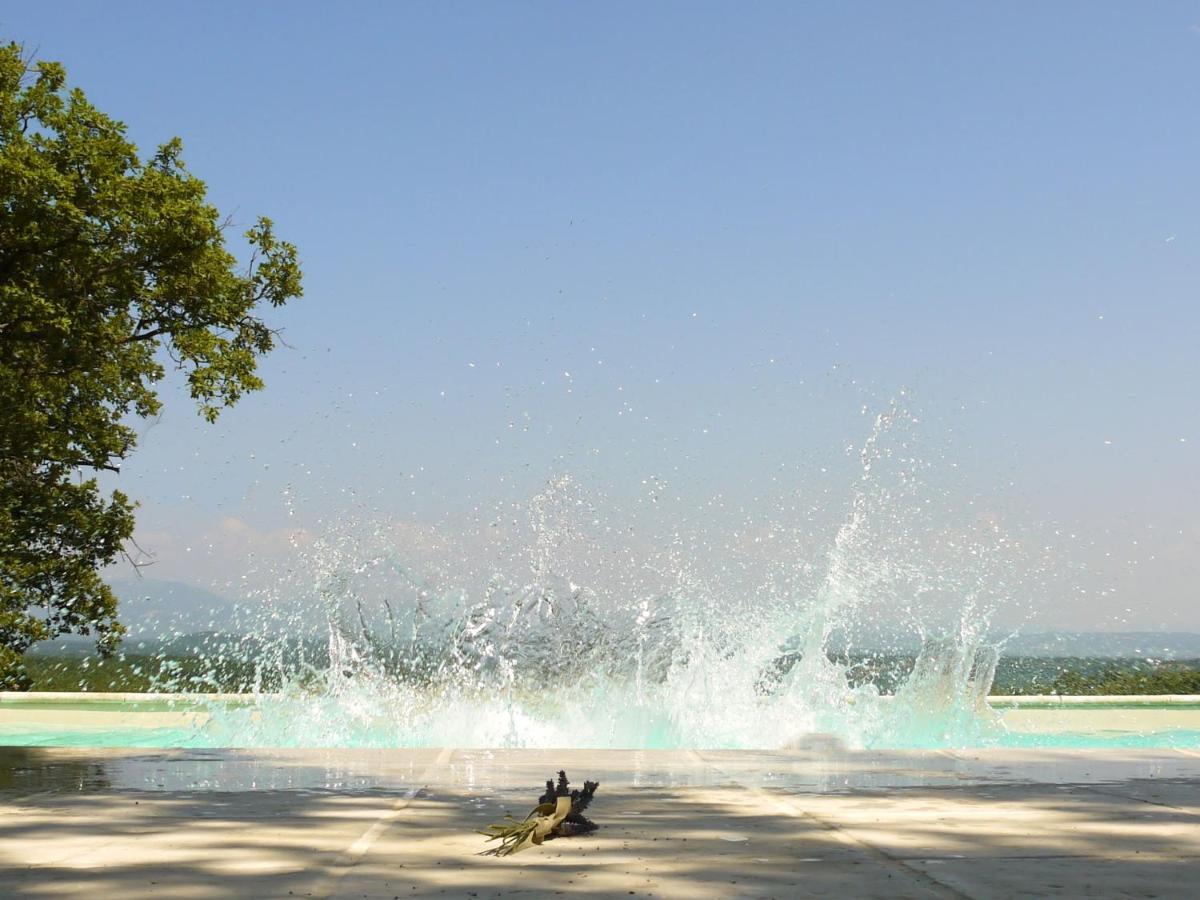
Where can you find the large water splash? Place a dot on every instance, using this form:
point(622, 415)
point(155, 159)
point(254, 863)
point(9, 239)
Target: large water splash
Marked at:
point(559, 624)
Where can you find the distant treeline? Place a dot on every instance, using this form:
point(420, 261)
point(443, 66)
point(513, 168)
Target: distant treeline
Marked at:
point(1117, 677)
point(232, 673)
point(132, 674)
point(1043, 675)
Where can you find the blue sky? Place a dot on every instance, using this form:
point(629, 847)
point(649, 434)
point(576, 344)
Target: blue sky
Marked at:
point(690, 240)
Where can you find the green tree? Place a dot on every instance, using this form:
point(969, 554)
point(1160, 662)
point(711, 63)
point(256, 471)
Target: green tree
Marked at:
point(113, 269)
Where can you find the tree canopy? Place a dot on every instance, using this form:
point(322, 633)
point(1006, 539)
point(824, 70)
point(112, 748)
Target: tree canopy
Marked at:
point(113, 270)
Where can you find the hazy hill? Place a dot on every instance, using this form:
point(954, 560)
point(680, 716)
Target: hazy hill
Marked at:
point(155, 611)
point(159, 613)
point(1117, 644)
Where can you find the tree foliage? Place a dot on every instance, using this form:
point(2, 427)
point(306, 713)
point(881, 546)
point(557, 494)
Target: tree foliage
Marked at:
point(113, 269)
point(1132, 678)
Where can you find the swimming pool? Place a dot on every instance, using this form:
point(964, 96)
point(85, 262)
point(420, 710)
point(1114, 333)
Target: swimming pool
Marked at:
point(248, 721)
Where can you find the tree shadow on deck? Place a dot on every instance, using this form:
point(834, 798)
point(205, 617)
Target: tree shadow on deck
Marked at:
point(1129, 838)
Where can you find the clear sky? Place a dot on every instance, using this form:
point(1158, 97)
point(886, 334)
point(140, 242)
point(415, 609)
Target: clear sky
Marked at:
point(690, 241)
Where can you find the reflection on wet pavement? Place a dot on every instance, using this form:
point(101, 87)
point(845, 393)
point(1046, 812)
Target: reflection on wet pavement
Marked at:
point(825, 770)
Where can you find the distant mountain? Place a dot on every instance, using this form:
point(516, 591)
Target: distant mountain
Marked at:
point(1116, 644)
point(882, 637)
point(155, 612)
point(153, 609)
point(174, 616)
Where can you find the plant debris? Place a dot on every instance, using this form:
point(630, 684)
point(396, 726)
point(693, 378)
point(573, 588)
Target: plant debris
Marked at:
point(559, 813)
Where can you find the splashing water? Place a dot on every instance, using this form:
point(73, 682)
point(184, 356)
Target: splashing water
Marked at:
point(553, 627)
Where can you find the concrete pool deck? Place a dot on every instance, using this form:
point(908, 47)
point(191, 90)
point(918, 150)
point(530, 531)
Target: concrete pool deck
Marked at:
point(818, 821)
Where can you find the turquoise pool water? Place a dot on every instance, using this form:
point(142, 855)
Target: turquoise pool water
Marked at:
point(190, 723)
point(40, 736)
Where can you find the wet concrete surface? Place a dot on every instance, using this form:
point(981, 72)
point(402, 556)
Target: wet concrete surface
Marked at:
point(821, 821)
